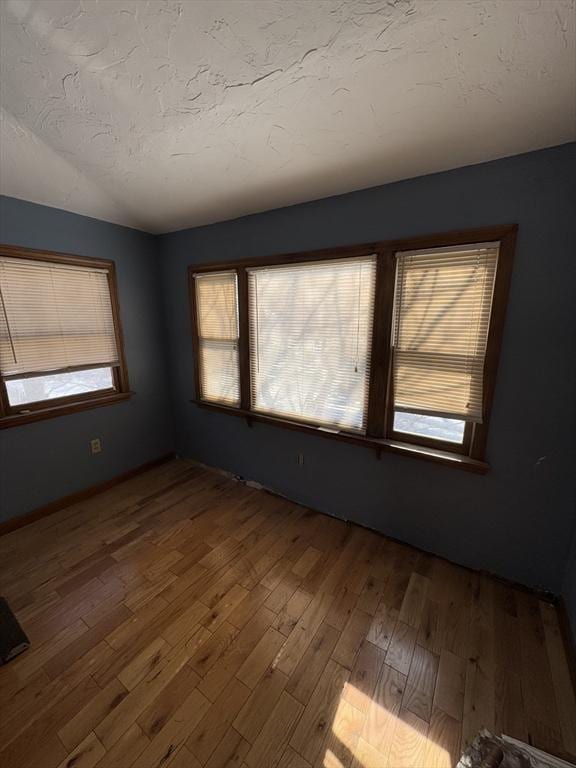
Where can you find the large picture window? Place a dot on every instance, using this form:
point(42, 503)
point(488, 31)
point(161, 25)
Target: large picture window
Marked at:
point(394, 345)
point(310, 340)
point(60, 340)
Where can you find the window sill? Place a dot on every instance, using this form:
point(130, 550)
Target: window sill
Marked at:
point(380, 445)
point(19, 419)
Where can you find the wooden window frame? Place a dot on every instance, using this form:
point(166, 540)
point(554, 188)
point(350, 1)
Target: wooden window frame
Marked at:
point(380, 435)
point(12, 416)
point(200, 339)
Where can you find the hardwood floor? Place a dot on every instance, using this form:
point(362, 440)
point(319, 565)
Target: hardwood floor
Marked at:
point(182, 619)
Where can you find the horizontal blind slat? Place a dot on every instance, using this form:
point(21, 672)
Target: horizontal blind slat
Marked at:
point(310, 340)
point(443, 303)
point(54, 317)
point(217, 318)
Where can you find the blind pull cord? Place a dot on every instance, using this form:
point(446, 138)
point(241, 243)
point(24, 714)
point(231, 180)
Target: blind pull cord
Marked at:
point(10, 339)
point(358, 319)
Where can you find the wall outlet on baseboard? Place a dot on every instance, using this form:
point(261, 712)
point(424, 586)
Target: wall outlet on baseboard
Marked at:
point(95, 446)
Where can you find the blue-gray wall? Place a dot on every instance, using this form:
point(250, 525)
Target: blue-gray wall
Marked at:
point(49, 459)
point(515, 521)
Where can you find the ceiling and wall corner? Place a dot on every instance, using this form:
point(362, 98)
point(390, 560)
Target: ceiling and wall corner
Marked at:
point(162, 115)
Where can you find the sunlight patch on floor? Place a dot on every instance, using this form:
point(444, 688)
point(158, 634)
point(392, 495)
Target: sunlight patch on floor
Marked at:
point(367, 735)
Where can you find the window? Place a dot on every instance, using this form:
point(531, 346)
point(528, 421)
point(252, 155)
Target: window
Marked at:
point(394, 345)
point(217, 317)
point(310, 340)
point(60, 343)
point(442, 306)
point(434, 427)
point(38, 388)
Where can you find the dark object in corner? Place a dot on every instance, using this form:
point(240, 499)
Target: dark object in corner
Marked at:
point(12, 638)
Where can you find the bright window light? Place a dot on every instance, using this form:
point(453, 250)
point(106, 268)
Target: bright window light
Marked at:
point(51, 386)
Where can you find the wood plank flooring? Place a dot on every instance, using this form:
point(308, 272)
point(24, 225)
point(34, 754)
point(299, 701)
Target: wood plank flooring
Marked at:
point(182, 619)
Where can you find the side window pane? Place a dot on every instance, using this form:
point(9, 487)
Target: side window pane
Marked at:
point(219, 366)
point(434, 427)
point(217, 313)
point(443, 303)
point(37, 388)
point(54, 317)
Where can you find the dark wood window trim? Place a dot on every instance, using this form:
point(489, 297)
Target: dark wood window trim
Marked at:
point(380, 445)
point(11, 416)
point(379, 434)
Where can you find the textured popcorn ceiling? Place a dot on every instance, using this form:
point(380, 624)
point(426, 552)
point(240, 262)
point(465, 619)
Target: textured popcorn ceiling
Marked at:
point(163, 115)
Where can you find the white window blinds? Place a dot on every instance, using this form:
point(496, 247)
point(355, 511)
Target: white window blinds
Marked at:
point(217, 316)
point(54, 317)
point(441, 318)
point(310, 340)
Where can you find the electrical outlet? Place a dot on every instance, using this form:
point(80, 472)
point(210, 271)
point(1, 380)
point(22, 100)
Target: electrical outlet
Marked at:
point(300, 459)
point(95, 445)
